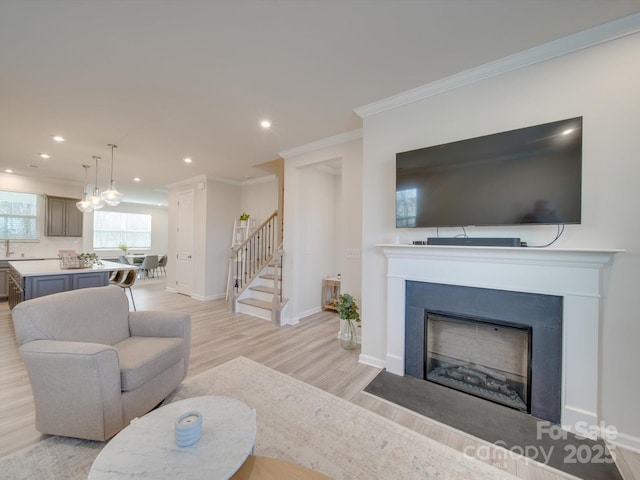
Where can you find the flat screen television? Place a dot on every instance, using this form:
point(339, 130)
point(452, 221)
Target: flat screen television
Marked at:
point(531, 175)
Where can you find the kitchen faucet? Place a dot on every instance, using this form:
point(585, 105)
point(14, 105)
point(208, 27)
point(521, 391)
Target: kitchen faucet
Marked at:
point(8, 251)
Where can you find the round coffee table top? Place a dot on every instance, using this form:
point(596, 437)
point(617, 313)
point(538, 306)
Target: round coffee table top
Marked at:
point(147, 449)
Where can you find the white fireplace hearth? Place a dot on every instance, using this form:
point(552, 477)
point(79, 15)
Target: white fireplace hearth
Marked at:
point(576, 275)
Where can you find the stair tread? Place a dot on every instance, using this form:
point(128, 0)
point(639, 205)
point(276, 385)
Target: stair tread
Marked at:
point(268, 276)
point(262, 288)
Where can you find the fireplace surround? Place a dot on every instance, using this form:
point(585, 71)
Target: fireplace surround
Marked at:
point(575, 276)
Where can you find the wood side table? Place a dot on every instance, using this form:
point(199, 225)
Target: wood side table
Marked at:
point(330, 293)
point(266, 468)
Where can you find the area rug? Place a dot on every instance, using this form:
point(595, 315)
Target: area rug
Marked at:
point(296, 422)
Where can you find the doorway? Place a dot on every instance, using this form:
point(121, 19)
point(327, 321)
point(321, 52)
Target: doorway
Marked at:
point(184, 243)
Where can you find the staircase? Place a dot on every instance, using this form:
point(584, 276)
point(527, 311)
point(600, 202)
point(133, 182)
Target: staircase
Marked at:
point(255, 275)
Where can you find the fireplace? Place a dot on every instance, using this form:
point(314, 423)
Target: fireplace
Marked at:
point(574, 277)
point(481, 357)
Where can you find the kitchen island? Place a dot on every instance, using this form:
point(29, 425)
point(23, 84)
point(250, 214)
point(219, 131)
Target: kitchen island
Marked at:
point(37, 278)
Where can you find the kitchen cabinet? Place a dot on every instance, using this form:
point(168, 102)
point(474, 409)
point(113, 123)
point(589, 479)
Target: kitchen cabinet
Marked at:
point(37, 278)
point(63, 217)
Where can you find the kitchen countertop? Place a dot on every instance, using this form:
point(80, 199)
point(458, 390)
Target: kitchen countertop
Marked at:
point(32, 268)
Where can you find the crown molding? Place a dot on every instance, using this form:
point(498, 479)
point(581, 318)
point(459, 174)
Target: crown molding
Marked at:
point(597, 35)
point(257, 180)
point(323, 143)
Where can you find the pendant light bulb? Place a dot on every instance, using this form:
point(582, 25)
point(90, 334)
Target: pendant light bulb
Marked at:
point(83, 205)
point(112, 196)
point(96, 200)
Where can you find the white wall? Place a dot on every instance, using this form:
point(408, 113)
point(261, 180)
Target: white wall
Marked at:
point(600, 84)
point(49, 246)
point(223, 200)
point(259, 198)
point(321, 221)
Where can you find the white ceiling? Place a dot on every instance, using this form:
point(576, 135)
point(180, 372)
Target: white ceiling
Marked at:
point(169, 79)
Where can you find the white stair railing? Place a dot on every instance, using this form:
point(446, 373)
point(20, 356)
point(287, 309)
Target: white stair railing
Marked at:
point(251, 256)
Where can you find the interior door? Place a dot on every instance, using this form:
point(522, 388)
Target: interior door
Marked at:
point(184, 264)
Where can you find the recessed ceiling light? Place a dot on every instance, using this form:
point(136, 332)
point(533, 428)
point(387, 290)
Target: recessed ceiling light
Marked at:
point(58, 138)
point(8, 170)
point(265, 123)
point(44, 155)
point(187, 160)
point(136, 179)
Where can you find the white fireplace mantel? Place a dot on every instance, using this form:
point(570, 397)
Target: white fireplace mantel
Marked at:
point(574, 274)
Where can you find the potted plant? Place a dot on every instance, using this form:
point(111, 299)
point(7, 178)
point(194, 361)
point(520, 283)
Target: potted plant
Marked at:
point(347, 308)
point(244, 218)
point(123, 247)
point(90, 259)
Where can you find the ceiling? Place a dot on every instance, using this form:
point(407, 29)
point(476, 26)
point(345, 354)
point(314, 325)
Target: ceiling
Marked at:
point(169, 79)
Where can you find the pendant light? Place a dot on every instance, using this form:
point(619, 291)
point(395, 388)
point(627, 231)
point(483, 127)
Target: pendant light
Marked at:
point(96, 200)
point(112, 196)
point(83, 205)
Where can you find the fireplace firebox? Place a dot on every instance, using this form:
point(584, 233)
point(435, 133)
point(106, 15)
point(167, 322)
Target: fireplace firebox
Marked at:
point(541, 314)
point(482, 357)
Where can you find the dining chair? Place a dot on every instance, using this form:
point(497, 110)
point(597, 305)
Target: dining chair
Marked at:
point(124, 260)
point(162, 264)
point(149, 265)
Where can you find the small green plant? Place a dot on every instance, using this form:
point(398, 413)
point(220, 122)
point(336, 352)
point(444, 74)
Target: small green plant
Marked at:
point(90, 259)
point(348, 308)
point(244, 217)
point(123, 247)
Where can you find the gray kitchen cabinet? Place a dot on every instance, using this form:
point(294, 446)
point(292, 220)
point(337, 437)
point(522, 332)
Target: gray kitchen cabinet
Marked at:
point(63, 217)
point(26, 287)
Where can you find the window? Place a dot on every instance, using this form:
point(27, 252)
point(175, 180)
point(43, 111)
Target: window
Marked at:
point(406, 207)
point(112, 229)
point(18, 216)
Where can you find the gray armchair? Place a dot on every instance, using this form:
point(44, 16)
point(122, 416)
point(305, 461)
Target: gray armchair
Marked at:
point(94, 365)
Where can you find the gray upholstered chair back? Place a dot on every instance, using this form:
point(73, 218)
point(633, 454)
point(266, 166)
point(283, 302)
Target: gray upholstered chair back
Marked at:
point(96, 315)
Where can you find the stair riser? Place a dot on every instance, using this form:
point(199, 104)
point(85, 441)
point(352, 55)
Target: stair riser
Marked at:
point(255, 311)
point(267, 297)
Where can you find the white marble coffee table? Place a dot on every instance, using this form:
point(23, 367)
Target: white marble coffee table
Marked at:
point(147, 449)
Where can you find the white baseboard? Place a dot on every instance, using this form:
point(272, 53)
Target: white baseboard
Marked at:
point(204, 298)
point(311, 311)
point(371, 361)
point(171, 290)
point(626, 441)
point(289, 320)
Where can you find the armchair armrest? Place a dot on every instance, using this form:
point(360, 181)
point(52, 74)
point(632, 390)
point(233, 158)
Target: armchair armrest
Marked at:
point(163, 324)
point(76, 387)
point(160, 324)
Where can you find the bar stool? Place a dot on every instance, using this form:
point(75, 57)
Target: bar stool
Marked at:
point(117, 276)
point(127, 280)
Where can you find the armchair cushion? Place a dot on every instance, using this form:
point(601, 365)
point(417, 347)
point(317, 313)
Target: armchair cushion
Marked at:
point(143, 358)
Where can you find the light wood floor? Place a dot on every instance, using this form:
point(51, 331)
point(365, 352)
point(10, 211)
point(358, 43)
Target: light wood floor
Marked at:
point(309, 352)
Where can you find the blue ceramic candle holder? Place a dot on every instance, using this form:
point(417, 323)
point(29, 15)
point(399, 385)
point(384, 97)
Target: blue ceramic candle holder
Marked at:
point(188, 428)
